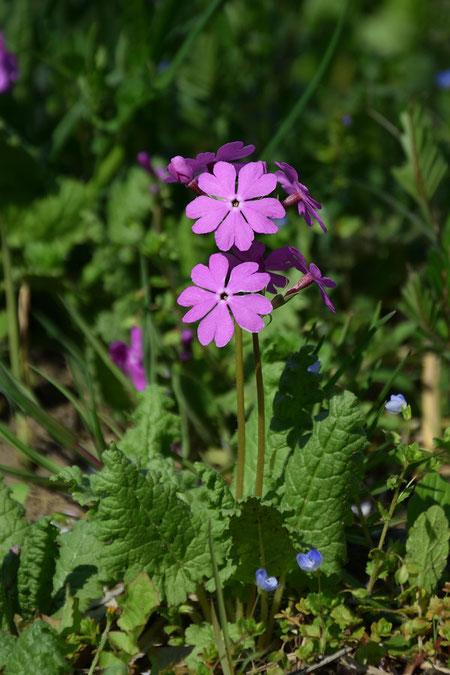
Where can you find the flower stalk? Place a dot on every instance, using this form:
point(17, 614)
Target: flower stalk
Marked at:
point(261, 417)
point(240, 412)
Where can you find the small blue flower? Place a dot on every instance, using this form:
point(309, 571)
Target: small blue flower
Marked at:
point(265, 582)
point(442, 79)
point(347, 120)
point(396, 403)
point(311, 561)
point(314, 367)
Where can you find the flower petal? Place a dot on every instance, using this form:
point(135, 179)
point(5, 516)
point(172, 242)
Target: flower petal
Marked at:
point(246, 310)
point(210, 213)
point(217, 326)
point(234, 230)
point(137, 374)
point(118, 352)
point(253, 182)
point(193, 296)
point(233, 150)
point(218, 265)
point(326, 299)
point(222, 183)
point(136, 342)
point(245, 277)
point(257, 215)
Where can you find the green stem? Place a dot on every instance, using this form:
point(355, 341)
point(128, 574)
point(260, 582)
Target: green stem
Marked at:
point(276, 602)
point(240, 412)
point(376, 566)
point(298, 108)
point(261, 417)
point(323, 637)
point(101, 646)
point(11, 310)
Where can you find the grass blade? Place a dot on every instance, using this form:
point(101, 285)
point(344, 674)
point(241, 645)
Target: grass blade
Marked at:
point(220, 602)
point(28, 452)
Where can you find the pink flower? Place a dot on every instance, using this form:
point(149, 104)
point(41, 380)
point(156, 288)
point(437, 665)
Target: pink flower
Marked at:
point(222, 294)
point(146, 163)
point(183, 170)
point(9, 71)
point(129, 359)
point(255, 254)
point(293, 258)
point(298, 194)
point(236, 213)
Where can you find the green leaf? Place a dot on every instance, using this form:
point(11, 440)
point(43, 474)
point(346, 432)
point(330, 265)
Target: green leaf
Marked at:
point(156, 428)
point(137, 604)
point(13, 527)
point(129, 203)
point(261, 539)
point(38, 650)
point(7, 643)
point(37, 566)
point(432, 489)
point(427, 548)
point(147, 527)
point(290, 393)
point(79, 484)
point(425, 166)
point(78, 564)
point(318, 479)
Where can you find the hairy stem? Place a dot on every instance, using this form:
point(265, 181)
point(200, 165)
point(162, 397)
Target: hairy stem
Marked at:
point(261, 417)
point(240, 412)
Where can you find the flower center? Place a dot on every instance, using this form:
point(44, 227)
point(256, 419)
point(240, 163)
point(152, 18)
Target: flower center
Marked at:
point(235, 203)
point(223, 295)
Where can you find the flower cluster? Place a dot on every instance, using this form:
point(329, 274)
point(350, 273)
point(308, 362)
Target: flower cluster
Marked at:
point(308, 562)
point(9, 71)
point(234, 200)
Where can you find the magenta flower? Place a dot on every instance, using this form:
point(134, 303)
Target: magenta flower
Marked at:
point(129, 359)
point(183, 170)
point(255, 254)
point(298, 194)
point(287, 257)
point(9, 71)
point(186, 340)
point(216, 293)
point(236, 213)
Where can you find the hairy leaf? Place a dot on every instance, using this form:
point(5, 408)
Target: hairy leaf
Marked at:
point(156, 428)
point(137, 604)
point(318, 479)
point(7, 643)
point(37, 566)
point(78, 565)
point(290, 393)
point(261, 539)
point(432, 489)
point(427, 548)
point(38, 650)
point(13, 528)
point(146, 527)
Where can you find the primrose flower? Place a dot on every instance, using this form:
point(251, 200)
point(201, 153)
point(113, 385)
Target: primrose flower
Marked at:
point(442, 79)
point(129, 359)
point(237, 212)
point(264, 582)
point(183, 170)
point(395, 404)
point(290, 257)
point(298, 194)
point(311, 561)
point(255, 254)
point(216, 293)
point(9, 71)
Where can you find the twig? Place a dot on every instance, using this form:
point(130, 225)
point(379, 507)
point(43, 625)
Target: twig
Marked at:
point(323, 662)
